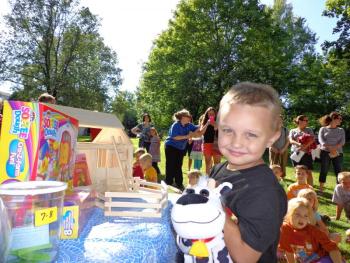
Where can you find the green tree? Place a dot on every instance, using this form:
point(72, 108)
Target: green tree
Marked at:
point(54, 46)
point(338, 57)
point(124, 106)
point(212, 44)
point(341, 10)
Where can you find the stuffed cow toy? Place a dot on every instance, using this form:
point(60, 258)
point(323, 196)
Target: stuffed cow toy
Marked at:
point(198, 219)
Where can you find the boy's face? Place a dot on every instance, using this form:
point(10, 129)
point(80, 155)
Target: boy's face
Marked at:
point(301, 176)
point(346, 184)
point(300, 218)
point(244, 133)
point(145, 164)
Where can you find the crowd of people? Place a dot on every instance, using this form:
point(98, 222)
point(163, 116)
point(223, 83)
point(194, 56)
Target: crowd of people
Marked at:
point(273, 221)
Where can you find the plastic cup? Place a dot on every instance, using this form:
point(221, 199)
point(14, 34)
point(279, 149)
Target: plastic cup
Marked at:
point(4, 232)
point(34, 209)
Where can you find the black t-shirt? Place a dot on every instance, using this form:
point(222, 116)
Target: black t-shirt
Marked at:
point(209, 134)
point(259, 202)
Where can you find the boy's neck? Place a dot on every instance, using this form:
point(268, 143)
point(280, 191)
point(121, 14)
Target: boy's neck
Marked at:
point(301, 183)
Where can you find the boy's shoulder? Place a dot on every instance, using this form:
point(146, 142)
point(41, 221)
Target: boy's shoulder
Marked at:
point(256, 176)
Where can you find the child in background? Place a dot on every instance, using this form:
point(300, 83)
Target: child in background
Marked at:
point(341, 195)
point(301, 183)
point(136, 167)
point(303, 242)
point(47, 98)
point(248, 122)
point(278, 172)
point(193, 178)
point(196, 153)
point(316, 220)
point(149, 172)
point(154, 149)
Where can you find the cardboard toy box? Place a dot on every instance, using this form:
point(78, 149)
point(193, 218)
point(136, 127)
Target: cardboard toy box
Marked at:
point(37, 143)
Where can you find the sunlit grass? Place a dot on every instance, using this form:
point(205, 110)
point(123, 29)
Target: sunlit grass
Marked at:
point(326, 206)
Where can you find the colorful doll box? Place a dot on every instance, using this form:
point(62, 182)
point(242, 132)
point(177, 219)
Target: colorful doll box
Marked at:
point(37, 143)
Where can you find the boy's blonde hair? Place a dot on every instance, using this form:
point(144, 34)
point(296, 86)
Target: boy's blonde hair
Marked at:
point(194, 173)
point(255, 94)
point(342, 176)
point(146, 157)
point(295, 203)
point(308, 194)
point(139, 150)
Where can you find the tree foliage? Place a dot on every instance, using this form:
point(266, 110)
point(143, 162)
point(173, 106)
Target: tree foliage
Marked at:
point(212, 44)
point(124, 106)
point(54, 46)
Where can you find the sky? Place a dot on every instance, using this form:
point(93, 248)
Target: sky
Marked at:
point(130, 26)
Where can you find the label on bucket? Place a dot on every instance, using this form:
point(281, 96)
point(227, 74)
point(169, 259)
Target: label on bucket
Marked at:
point(45, 216)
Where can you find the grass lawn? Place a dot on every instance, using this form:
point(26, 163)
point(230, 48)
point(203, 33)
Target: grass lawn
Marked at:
point(325, 204)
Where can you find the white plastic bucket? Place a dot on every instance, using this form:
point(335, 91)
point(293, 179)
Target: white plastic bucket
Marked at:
point(34, 209)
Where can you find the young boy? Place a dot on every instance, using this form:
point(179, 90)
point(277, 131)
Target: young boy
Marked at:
point(278, 172)
point(248, 123)
point(150, 173)
point(193, 178)
point(301, 183)
point(136, 167)
point(341, 195)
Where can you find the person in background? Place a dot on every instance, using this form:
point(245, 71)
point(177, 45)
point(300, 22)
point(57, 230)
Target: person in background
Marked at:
point(248, 123)
point(193, 178)
point(210, 149)
point(277, 171)
point(142, 131)
point(331, 139)
point(301, 183)
point(297, 146)
point(188, 151)
point(278, 152)
point(302, 241)
point(47, 98)
point(179, 133)
point(316, 219)
point(197, 153)
point(136, 167)
point(341, 195)
point(149, 172)
point(154, 149)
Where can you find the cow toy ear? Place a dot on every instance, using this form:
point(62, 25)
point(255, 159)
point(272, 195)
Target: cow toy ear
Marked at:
point(224, 188)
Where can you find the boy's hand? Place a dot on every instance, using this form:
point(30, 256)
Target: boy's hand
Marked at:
point(231, 216)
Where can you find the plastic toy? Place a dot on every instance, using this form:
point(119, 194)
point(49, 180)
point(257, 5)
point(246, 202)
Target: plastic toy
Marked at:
point(198, 219)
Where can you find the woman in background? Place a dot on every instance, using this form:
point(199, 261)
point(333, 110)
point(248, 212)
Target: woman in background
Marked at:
point(210, 148)
point(142, 131)
point(179, 133)
point(331, 139)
